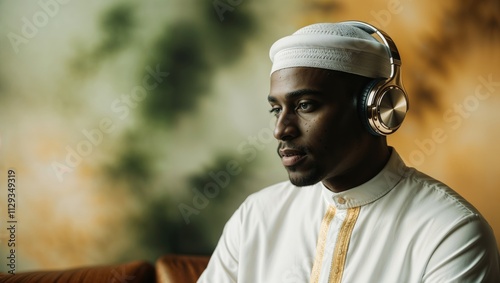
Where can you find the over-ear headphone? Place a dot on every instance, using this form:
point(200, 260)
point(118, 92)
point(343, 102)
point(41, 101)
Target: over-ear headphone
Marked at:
point(383, 104)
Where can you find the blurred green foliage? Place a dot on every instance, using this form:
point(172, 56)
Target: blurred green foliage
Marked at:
point(116, 29)
point(191, 51)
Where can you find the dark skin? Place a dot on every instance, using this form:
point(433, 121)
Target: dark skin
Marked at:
point(321, 137)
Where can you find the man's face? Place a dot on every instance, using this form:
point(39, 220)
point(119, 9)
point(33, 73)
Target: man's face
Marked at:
point(320, 135)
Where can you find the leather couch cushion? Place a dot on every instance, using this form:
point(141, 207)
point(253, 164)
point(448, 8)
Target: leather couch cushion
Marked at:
point(132, 272)
point(180, 268)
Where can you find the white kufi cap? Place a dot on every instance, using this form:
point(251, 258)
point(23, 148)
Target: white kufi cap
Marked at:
point(332, 46)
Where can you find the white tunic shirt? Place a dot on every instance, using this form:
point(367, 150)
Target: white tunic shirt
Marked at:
point(401, 226)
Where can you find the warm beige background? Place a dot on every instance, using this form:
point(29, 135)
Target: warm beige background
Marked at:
point(68, 66)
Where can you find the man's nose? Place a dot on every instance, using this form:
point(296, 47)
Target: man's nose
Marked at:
point(286, 127)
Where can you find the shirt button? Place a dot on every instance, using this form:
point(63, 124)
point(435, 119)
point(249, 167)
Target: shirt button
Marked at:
point(341, 200)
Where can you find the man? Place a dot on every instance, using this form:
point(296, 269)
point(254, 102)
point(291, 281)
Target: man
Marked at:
point(351, 211)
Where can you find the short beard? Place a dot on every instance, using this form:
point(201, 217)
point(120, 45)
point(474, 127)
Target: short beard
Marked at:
point(304, 180)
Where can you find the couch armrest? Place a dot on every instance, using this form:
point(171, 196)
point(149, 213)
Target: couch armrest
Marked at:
point(180, 268)
point(132, 272)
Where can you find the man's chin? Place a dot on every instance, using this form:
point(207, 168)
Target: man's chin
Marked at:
point(302, 180)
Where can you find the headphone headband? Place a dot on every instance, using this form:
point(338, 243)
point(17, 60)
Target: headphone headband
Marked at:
point(394, 57)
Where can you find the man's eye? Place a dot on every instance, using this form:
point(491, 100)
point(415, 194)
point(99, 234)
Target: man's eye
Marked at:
point(305, 106)
point(275, 111)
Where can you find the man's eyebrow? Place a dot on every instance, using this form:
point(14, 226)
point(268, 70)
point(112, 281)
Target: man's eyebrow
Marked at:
point(296, 94)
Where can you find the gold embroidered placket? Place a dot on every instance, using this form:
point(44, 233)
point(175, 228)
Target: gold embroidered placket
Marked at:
point(340, 251)
point(320, 246)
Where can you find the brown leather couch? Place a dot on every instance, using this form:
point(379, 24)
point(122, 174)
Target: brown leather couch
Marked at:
point(168, 269)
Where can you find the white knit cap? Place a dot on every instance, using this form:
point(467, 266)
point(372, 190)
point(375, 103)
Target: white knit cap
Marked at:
point(333, 46)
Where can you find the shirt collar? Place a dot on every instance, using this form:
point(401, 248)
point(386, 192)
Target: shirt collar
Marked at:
point(373, 189)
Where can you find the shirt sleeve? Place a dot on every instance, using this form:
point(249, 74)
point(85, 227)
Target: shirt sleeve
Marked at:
point(467, 253)
point(223, 264)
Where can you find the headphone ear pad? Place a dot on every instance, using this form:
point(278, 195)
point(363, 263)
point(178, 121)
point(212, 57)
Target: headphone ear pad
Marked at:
point(363, 106)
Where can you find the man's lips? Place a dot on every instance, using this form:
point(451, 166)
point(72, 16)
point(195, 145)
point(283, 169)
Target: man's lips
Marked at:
point(290, 157)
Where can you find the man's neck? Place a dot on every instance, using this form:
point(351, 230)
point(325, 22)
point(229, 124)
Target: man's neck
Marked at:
point(365, 169)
